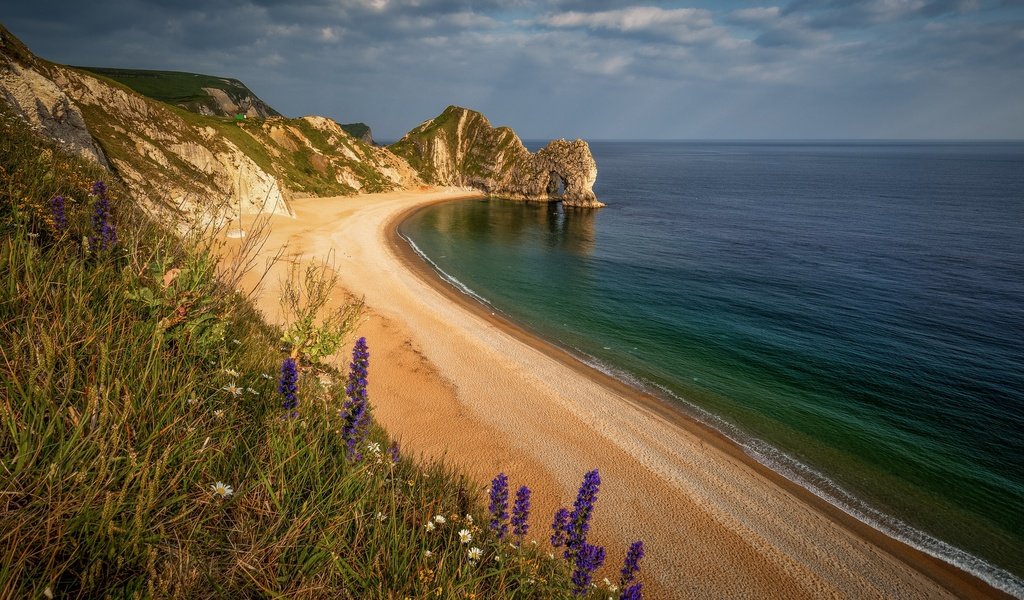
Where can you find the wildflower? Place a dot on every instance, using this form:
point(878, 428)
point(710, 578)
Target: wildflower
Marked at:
point(232, 389)
point(469, 519)
point(60, 217)
point(232, 372)
point(465, 536)
point(579, 520)
point(373, 448)
point(222, 489)
point(355, 416)
point(633, 592)
point(218, 413)
point(475, 553)
point(499, 505)
point(252, 391)
point(427, 553)
point(631, 565)
point(235, 342)
point(381, 517)
point(429, 526)
point(265, 376)
point(558, 527)
point(393, 452)
point(104, 234)
point(440, 520)
point(288, 386)
point(193, 401)
point(588, 559)
point(521, 513)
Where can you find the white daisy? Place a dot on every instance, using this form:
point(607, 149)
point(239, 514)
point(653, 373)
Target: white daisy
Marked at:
point(440, 520)
point(465, 536)
point(232, 372)
point(373, 448)
point(429, 526)
point(222, 489)
point(233, 389)
point(475, 553)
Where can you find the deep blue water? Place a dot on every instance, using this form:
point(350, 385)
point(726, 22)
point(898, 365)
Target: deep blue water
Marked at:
point(851, 313)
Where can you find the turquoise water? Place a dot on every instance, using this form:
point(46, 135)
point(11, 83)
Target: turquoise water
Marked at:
point(851, 313)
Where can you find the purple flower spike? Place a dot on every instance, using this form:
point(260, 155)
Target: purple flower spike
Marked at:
point(632, 564)
point(288, 386)
point(499, 505)
point(355, 414)
point(588, 559)
point(394, 453)
point(579, 521)
point(633, 592)
point(59, 214)
point(521, 513)
point(558, 527)
point(104, 235)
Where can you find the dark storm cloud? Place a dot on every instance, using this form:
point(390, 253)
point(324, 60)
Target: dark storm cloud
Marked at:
point(597, 68)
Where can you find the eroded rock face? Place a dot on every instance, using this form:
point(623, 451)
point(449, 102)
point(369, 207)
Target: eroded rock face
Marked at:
point(41, 102)
point(461, 148)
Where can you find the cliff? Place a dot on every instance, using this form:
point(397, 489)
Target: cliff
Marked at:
point(460, 147)
point(172, 159)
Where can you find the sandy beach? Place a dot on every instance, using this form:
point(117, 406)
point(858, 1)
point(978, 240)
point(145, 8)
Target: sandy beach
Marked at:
point(453, 381)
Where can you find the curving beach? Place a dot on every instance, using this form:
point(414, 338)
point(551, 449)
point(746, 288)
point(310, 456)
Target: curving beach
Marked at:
point(454, 381)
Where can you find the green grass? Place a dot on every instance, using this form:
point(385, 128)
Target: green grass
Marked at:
point(117, 417)
point(178, 88)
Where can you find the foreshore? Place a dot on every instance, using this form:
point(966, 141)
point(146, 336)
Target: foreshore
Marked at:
point(453, 380)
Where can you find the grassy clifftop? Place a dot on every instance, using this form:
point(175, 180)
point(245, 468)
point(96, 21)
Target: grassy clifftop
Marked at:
point(191, 91)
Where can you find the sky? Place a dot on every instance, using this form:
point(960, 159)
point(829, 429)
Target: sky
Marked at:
point(596, 69)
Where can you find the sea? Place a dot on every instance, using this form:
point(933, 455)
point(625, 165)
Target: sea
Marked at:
point(850, 313)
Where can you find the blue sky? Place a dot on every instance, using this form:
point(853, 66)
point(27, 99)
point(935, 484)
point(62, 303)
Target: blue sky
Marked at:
point(918, 69)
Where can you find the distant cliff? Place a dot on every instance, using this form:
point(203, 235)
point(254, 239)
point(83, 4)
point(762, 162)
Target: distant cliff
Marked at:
point(460, 147)
point(203, 94)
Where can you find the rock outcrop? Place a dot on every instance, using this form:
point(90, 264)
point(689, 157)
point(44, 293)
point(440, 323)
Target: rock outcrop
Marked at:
point(461, 148)
point(359, 131)
point(41, 102)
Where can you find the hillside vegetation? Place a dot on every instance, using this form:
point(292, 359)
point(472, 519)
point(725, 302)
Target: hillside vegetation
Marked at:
point(155, 441)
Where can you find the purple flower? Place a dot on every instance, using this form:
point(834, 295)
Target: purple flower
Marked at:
point(394, 453)
point(288, 386)
point(355, 414)
point(521, 513)
point(59, 214)
point(579, 520)
point(633, 592)
point(499, 505)
point(588, 559)
point(104, 235)
point(632, 564)
point(558, 527)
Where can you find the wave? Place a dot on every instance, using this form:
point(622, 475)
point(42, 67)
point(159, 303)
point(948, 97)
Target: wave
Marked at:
point(783, 463)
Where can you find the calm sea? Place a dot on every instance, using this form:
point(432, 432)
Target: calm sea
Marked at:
point(851, 313)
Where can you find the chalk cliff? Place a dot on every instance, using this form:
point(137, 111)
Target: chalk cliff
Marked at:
point(460, 147)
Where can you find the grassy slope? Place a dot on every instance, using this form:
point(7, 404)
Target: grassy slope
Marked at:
point(178, 88)
point(115, 421)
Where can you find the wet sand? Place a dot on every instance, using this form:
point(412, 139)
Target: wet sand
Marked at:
point(453, 381)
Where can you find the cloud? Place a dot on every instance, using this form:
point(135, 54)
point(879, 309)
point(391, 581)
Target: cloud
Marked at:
point(579, 67)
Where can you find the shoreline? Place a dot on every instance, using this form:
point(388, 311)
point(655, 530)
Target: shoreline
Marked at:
point(463, 385)
point(948, 575)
